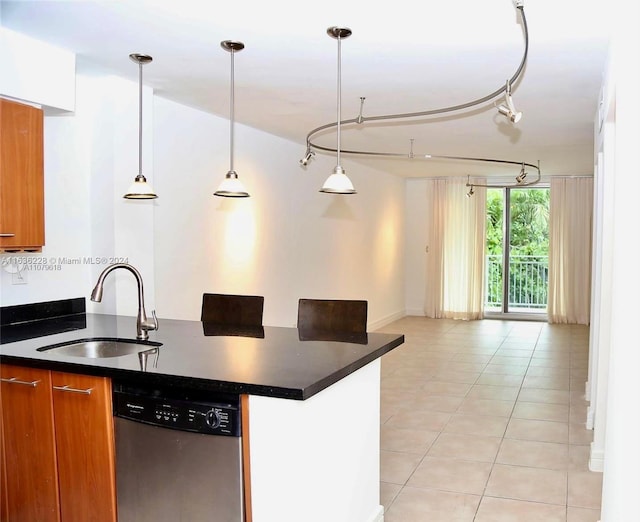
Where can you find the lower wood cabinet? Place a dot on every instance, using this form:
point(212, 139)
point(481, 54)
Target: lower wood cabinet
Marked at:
point(3, 475)
point(85, 447)
point(58, 446)
point(31, 488)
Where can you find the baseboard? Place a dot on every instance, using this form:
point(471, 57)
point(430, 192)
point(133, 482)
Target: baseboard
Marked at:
point(378, 515)
point(373, 326)
point(596, 459)
point(416, 311)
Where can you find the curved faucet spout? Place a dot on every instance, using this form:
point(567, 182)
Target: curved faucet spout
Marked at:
point(143, 325)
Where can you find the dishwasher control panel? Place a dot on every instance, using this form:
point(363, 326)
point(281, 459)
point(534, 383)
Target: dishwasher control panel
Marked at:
point(178, 410)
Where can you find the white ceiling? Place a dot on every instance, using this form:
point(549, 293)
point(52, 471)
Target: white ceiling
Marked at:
point(403, 56)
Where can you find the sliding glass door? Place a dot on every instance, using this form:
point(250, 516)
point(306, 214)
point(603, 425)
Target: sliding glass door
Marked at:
point(517, 251)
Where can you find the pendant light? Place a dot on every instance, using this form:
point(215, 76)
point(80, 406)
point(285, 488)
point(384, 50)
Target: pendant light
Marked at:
point(338, 182)
point(140, 189)
point(231, 187)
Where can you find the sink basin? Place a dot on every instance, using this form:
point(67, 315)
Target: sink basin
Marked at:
point(100, 347)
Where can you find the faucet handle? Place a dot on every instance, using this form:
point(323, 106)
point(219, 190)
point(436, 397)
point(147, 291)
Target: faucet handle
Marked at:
point(147, 325)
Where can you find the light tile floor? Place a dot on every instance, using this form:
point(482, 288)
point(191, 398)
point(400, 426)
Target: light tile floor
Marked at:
point(484, 421)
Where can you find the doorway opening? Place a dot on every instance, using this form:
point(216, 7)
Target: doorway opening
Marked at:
point(517, 252)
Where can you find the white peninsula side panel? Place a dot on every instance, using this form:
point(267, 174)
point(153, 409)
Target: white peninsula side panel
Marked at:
point(318, 460)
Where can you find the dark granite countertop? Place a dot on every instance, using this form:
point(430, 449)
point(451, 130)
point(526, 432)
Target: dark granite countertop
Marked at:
point(268, 361)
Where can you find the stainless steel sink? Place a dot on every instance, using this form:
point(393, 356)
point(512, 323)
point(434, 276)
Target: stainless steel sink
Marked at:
point(100, 347)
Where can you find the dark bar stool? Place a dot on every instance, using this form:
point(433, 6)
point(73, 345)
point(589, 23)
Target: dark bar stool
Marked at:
point(332, 316)
point(232, 310)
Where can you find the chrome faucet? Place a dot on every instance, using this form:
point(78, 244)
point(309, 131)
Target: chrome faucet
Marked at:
point(143, 325)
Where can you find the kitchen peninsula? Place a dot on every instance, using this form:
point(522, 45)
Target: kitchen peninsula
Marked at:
point(310, 407)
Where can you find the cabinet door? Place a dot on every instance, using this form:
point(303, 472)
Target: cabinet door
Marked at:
point(29, 445)
point(85, 444)
point(21, 177)
point(4, 516)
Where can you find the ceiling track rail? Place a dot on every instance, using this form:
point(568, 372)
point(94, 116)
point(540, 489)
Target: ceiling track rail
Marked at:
point(503, 90)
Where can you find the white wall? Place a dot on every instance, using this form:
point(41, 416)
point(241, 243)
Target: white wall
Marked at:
point(621, 451)
point(90, 158)
point(416, 241)
point(36, 72)
point(318, 460)
point(284, 242)
point(67, 227)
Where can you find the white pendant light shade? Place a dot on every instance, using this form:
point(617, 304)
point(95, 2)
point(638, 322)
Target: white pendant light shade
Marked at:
point(338, 183)
point(231, 187)
point(140, 189)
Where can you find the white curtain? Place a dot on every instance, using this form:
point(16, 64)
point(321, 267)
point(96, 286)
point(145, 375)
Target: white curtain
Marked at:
point(570, 217)
point(455, 260)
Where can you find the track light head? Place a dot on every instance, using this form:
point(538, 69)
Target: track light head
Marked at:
point(307, 158)
point(471, 191)
point(510, 110)
point(520, 177)
point(513, 115)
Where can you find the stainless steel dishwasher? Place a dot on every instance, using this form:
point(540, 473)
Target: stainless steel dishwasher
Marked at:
point(178, 455)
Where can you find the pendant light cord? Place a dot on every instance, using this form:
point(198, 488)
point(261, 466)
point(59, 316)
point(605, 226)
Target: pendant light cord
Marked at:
point(339, 97)
point(231, 113)
point(140, 122)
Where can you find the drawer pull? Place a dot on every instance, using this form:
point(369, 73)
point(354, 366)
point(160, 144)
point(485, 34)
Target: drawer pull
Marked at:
point(7, 235)
point(73, 390)
point(15, 380)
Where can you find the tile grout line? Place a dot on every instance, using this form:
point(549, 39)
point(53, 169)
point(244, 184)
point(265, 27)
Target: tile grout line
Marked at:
point(450, 360)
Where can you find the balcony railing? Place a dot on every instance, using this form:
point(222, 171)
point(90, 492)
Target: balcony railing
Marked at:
point(528, 283)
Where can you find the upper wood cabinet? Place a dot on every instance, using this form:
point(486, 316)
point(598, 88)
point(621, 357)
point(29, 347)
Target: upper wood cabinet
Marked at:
point(21, 177)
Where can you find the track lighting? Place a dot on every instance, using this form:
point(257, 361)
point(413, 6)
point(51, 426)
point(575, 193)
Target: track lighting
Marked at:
point(140, 189)
point(338, 182)
point(231, 187)
point(509, 111)
point(307, 158)
point(520, 178)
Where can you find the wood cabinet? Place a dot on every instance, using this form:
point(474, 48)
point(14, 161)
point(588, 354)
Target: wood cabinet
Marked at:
point(3, 474)
point(58, 446)
point(85, 447)
point(30, 456)
point(21, 177)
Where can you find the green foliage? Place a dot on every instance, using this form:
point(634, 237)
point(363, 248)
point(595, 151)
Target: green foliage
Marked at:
point(529, 221)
